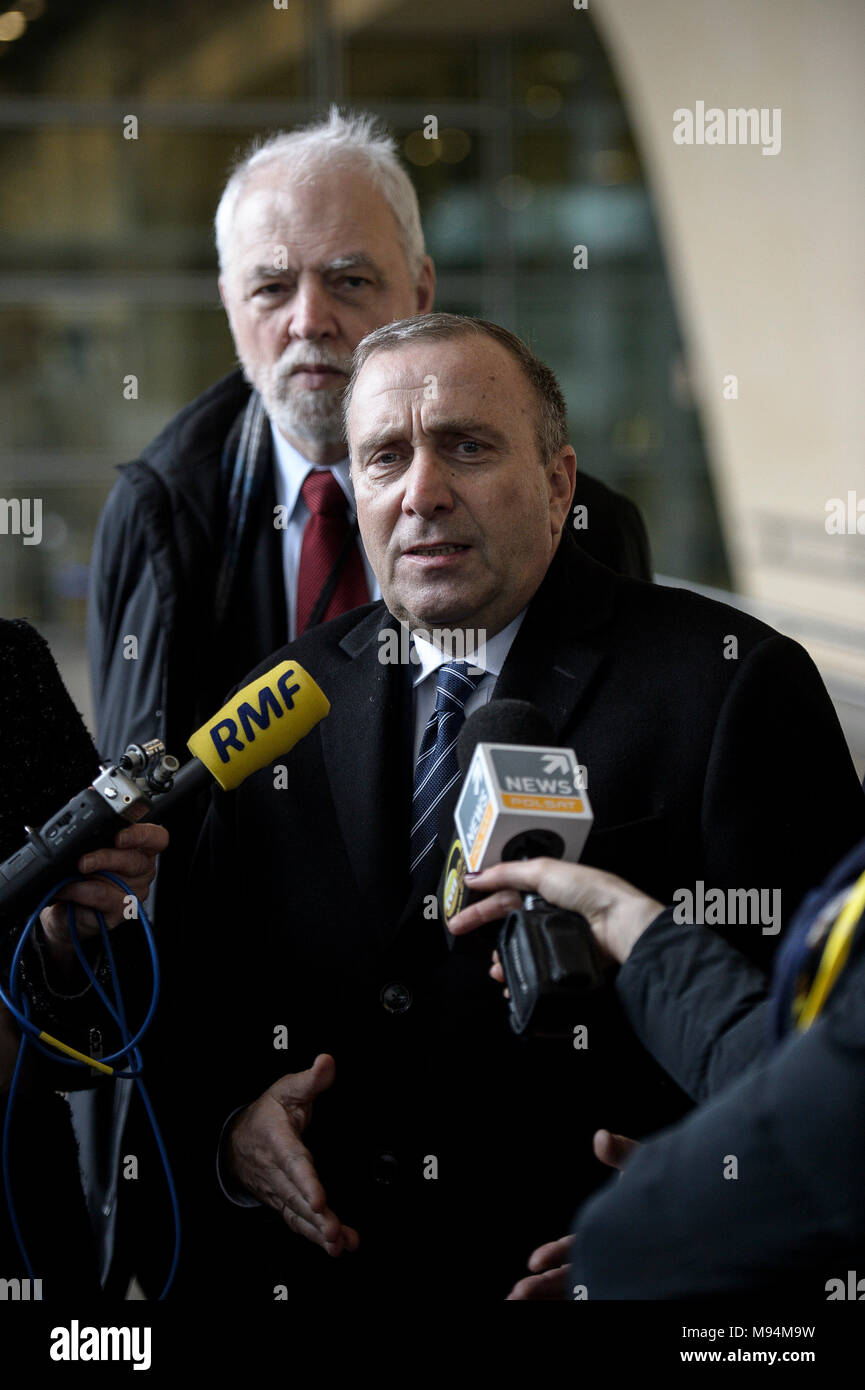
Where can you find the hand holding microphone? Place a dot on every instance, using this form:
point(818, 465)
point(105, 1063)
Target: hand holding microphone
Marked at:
point(617, 913)
point(522, 796)
point(523, 802)
point(132, 859)
point(102, 828)
point(263, 721)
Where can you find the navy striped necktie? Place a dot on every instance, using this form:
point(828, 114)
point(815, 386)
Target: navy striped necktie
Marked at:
point(437, 769)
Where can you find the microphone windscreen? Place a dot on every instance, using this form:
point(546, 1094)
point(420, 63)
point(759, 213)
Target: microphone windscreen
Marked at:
point(261, 721)
point(503, 721)
point(46, 753)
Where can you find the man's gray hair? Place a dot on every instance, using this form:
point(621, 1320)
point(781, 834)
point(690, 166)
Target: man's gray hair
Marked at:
point(355, 141)
point(552, 420)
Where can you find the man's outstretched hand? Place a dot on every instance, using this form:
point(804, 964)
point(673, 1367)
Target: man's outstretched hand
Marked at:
point(268, 1157)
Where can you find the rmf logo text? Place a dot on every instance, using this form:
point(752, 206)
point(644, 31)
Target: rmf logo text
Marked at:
point(225, 733)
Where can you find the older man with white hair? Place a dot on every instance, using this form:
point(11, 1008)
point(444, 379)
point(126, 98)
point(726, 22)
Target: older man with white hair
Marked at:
point(236, 527)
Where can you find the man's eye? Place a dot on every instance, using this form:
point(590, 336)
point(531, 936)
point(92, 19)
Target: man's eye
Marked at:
point(386, 461)
point(271, 289)
point(354, 282)
point(470, 446)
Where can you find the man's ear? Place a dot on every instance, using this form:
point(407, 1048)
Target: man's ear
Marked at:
point(426, 286)
point(561, 474)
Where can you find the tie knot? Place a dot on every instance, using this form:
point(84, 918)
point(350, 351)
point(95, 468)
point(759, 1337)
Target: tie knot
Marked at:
point(323, 495)
point(455, 682)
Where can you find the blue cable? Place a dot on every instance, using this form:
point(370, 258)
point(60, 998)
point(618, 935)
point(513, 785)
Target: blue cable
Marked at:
point(142, 1089)
point(18, 1006)
point(7, 1181)
point(13, 1003)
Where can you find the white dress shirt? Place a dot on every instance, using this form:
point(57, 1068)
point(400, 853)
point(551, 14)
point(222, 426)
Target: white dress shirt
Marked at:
point(489, 657)
point(290, 471)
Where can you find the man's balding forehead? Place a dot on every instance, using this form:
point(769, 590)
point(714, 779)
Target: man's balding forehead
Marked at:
point(425, 376)
point(467, 421)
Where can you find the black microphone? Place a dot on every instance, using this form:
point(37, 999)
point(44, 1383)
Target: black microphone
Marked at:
point(522, 797)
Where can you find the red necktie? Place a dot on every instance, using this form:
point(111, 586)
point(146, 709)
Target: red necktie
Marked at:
point(324, 536)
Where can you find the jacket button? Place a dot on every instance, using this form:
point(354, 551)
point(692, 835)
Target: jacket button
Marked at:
point(385, 1169)
point(396, 998)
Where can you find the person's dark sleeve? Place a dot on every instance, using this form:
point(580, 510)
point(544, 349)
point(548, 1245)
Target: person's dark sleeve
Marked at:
point(759, 1189)
point(778, 811)
point(127, 681)
point(695, 1003)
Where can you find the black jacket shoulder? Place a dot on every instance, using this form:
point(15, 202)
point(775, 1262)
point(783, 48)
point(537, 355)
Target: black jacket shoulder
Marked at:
point(612, 530)
point(199, 429)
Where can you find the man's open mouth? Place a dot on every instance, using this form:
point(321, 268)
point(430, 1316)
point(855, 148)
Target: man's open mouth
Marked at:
point(429, 550)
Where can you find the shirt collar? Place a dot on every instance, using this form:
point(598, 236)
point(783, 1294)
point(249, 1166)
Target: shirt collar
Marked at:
point(292, 469)
point(489, 656)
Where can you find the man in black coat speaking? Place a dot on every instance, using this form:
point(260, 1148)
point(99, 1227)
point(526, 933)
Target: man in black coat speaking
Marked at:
point(370, 1097)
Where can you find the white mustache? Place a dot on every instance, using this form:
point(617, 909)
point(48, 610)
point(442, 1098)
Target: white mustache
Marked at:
point(306, 355)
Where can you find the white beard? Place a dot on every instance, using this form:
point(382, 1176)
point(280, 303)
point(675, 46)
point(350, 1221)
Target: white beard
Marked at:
point(305, 414)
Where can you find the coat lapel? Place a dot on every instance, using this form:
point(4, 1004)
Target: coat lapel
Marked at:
point(367, 753)
point(553, 662)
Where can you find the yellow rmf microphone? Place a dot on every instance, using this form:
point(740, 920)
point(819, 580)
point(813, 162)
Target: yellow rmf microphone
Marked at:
point(263, 721)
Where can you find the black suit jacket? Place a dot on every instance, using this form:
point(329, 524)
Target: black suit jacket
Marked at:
point(442, 1126)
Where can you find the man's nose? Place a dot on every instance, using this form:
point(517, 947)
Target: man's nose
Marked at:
point(427, 484)
point(311, 311)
